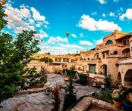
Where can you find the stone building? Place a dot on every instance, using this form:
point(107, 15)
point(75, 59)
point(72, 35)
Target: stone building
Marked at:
point(113, 56)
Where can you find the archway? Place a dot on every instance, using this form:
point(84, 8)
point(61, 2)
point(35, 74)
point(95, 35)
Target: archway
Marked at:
point(109, 42)
point(128, 78)
point(104, 68)
point(96, 56)
point(119, 78)
point(126, 52)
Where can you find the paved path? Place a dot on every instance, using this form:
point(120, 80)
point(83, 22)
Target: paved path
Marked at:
point(40, 101)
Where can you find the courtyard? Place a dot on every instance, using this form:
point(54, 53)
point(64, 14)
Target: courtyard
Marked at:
point(41, 101)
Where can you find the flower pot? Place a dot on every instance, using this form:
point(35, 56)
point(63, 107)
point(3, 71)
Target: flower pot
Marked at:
point(126, 106)
point(67, 78)
point(117, 104)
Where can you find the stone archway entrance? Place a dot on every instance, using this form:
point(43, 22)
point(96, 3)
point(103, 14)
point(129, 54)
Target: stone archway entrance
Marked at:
point(128, 78)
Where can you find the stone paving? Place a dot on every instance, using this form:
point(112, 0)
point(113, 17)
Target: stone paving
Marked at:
point(40, 101)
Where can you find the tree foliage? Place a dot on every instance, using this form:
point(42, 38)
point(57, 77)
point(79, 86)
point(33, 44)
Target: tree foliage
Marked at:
point(2, 15)
point(46, 59)
point(14, 56)
point(69, 98)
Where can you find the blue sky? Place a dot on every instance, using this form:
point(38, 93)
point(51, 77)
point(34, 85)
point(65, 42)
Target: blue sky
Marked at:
point(87, 21)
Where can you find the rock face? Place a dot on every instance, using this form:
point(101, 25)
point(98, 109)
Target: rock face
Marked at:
point(40, 101)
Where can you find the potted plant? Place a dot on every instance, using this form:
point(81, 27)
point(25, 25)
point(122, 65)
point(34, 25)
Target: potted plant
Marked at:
point(117, 101)
point(118, 96)
point(70, 96)
point(127, 102)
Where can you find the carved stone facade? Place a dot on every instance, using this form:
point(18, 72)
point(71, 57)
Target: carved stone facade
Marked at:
point(113, 56)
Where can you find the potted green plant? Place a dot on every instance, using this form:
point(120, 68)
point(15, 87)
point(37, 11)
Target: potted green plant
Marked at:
point(117, 101)
point(70, 96)
point(118, 96)
point(127, 102)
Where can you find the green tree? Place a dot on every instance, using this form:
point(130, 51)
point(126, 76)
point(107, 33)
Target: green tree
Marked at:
point(2, 15)
point(108, 81)
point(14, 57)
point(46, 60)
point(69, 98)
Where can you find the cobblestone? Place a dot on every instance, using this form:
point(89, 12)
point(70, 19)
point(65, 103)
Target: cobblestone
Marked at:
point(40, 101)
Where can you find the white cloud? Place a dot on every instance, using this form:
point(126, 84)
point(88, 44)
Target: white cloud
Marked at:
point(52, 50)
point(31, 21)
point(102, 1)
point(71, 46)
point(61, 48)
point(38, 25)
point(103, 15)
point(112, 14)
point(58, 39)
point(25, 12)
point(15, 18)
point(127, 14)
point(36, 15)
point(121, 9)
point(41, 34)
point(74, 35)
point(99, 41)
point(94, 13)
point(91, 24)
point(21, 19)
point(83, 42)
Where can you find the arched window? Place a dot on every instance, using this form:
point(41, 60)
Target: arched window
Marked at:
point(109, 42)
point(96, 56)
point(126, 52)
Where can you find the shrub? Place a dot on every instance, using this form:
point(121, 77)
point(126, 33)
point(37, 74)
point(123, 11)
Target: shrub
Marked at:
point(46, 60)
point(108, 81)
point(105, 95)
point(14, 56)
point(83, 79)
point(70, 97)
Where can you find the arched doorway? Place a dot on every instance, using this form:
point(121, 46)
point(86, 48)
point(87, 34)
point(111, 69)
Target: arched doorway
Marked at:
point(128, 78)
point(119, 78)
point(104, 68)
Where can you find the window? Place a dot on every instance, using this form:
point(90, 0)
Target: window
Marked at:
point(115, 52)
point(126, 52)
point(58, 59)
point(65, 60)
point(109, 42)
point(92, 68)
point(96, 56)
point(103, 55)
point(124, 42)
point(72, 60)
